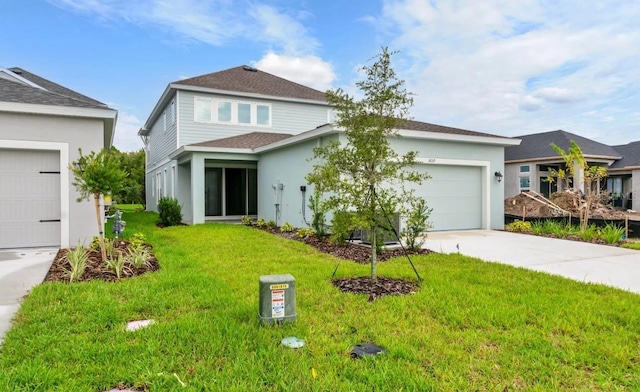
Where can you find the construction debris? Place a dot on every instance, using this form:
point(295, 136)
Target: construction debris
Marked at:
point(566, 203)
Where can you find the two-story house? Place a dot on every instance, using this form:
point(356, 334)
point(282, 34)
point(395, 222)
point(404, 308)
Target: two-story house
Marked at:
point(239, 142)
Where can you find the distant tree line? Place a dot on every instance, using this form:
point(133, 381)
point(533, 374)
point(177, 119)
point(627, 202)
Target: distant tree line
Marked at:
point(132, 190)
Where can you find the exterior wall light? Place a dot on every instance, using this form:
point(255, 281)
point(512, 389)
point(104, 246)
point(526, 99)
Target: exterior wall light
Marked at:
point(498, 175)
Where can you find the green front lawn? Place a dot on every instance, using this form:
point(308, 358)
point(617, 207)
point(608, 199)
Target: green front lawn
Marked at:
point(472, 325)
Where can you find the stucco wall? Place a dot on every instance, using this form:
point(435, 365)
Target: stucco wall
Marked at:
point(75, 133)
point(290, 165)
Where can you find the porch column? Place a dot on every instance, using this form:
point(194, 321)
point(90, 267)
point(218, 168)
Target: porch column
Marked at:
point(635, 190)
point(197, 188)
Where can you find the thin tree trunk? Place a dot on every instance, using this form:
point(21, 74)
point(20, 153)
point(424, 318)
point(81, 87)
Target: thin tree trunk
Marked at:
point(374, 254)
point(96, 199)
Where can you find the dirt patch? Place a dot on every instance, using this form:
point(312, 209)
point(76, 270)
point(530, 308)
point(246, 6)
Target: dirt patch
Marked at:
point(540, 207)
point(96, 268)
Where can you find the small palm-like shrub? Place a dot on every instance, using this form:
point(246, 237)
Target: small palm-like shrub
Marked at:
point(139, 256)
point(245, 220)
point(271, 224)
point(77, 259)
point(170, 211)
point(261, 223)
point(612, 234)
point(589, 233)
point(117, 264)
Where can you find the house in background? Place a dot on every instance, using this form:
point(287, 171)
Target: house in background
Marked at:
point(527, 166)
point(239, 142)
point(42, 125)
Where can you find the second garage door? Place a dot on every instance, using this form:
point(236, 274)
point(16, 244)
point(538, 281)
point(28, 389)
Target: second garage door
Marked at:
point(29, 198)
point(455, 194)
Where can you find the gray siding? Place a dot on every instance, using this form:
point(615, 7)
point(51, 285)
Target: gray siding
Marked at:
point(286, 117)
point(162, 140)
point(635, 189)
point(77, 133)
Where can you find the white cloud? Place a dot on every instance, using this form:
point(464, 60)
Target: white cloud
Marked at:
point(126, 137)
point(215, 22)
point(516, 67)
point(310, 70)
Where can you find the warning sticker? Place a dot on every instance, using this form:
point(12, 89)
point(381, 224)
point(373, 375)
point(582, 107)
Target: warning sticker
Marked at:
point(279, 286)
point(277, 303)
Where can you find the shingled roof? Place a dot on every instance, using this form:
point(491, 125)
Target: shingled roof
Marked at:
point(630, 155)
point(427, 127)
point(50, 93)
point(538, 145)
point(250, 80)
point(248, 140)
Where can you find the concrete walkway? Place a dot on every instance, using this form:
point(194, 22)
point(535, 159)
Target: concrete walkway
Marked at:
point(20, 270)
point(584, 262)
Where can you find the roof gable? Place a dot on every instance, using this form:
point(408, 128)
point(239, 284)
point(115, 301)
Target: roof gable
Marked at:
point(538, 145)
point(42, 92)
point(246, 79)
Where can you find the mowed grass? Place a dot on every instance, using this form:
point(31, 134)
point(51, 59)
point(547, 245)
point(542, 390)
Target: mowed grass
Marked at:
point(472, 325)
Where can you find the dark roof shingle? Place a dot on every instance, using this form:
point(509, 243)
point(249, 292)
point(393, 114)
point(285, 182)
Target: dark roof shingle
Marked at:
point(239, 79)
point(538, 145)
point(248, 140)
point(427, 127)
point(50, 93)
point(630, 155)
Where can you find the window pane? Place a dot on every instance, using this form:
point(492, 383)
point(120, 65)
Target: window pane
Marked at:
point(203, 110)
point(524, 169)
point(263, 114)
point(244, 113)
point(524, 182)
point(224, 111)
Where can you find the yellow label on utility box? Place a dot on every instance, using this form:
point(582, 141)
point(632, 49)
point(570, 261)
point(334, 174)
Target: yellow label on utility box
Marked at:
point(279, 286)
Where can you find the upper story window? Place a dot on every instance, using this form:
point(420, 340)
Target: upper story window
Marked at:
point(220, 111)
point(524, 169)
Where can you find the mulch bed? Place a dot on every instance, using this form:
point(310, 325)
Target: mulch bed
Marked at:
point(96, 268)
point(362, 255)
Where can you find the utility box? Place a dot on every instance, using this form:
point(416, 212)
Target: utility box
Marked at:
point(277, 298)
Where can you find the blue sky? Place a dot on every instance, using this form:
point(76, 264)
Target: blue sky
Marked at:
point(499, 66)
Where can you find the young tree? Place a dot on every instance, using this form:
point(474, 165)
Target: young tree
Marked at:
point(365, 175)
point(96, 175)
point(575, 161)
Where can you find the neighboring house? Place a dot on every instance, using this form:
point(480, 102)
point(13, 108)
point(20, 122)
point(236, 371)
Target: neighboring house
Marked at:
point(239, 142)
point(42, 125)
point(527, 166)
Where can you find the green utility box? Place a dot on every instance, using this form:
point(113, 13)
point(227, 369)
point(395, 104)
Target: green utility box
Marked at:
point(277, 298)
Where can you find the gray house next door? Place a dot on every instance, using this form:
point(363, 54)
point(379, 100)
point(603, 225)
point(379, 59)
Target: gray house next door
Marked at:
point(29, 198)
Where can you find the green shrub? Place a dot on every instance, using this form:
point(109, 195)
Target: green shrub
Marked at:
point(343, 224)
point(287, 228)
point(170, 211)
point(305, 232)
point(137, 240)
point(537, 227)
point(261, 223)
point(117, 264)
point(245, 220)
point(519, 226)
point(95, 243)
point(271, 224)
point(589, 233)
point(139, 256)
point(612, 234)
point(417, 224)
point(77, 259)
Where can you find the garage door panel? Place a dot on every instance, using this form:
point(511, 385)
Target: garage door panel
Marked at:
point(29, 193)
point(455, 195)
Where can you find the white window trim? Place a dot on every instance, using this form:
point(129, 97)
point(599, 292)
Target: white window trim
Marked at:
point(164, 183)
point(213, 106)
point(173, 181)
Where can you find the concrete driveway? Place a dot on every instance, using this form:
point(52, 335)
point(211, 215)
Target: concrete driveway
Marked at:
point(584, 262)
point(20, 271)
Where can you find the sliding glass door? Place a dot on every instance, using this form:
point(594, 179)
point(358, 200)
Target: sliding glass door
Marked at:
point(231, 191)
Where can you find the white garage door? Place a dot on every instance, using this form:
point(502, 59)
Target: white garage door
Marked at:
point(455, 194)
point(29, 198)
